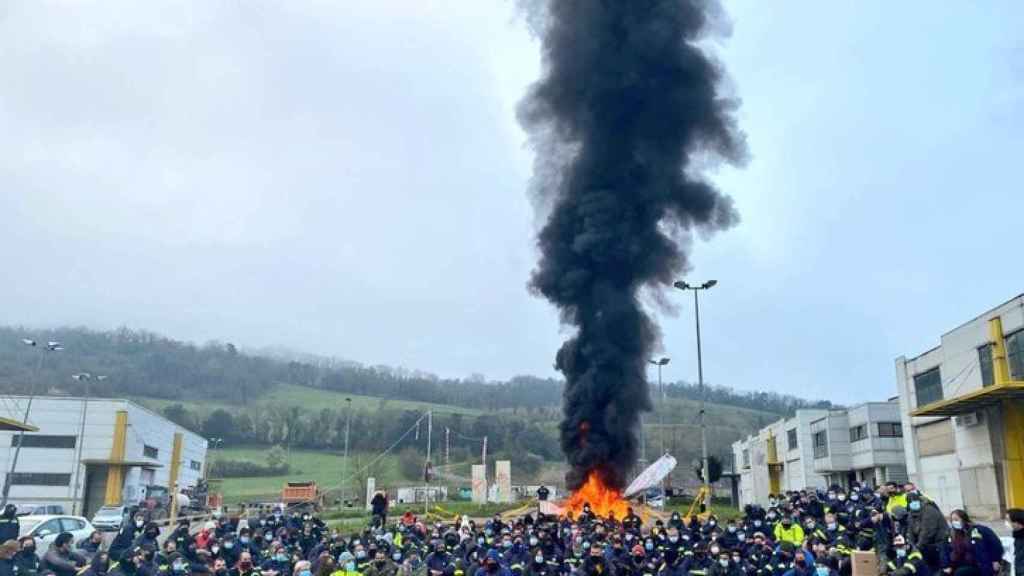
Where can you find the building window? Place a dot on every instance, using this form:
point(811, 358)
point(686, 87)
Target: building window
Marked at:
point(1015, 355)
point(791, 442)
point(890, 430)
point(928, 386)
point(820, 441)
point(39, 479)
point(985, 362)
point(150, 452)
point(195, 465)
point(43, 441)
point(746, 458)
point(859, 433)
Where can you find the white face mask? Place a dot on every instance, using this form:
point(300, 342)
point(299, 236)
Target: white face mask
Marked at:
point(724, 563)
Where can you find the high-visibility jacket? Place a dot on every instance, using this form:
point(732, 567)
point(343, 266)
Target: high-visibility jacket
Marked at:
point(894, 501)
point(793, 534)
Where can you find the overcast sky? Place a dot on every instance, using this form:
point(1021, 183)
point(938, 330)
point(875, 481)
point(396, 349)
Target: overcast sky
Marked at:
point(348, 178)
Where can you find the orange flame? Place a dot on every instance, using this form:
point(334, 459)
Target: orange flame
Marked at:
point(604, 501)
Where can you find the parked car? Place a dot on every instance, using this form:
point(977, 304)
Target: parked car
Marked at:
point(110, 518)
point(45, 529)
point(40, 509)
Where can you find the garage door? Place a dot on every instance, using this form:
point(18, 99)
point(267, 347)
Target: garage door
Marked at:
point(940, 481)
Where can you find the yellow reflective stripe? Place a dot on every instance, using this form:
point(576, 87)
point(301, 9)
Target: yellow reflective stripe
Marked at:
point(915, 556)
point(910, 566)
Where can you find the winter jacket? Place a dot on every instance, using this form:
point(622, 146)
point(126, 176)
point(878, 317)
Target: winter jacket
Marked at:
point(9, 528)
point(388, 569)
point(983, 545)
point(6, 567)
point(794, 534)
point(62, 563)
point(26, 563)
point(928, 527)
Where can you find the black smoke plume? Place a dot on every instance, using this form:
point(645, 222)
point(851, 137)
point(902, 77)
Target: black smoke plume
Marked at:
point(626, 106)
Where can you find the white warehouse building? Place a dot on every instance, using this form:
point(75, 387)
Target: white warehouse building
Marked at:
point(820, 448)
point(962, 404)
point(88, 453)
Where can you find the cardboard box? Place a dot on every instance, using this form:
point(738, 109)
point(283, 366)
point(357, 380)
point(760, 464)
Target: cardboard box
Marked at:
point(864, 563)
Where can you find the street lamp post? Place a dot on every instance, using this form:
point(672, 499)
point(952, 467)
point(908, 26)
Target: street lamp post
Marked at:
point(86, 378)
point(705, 472)
point(661, 415)
point(344, 469)
point(50, 346)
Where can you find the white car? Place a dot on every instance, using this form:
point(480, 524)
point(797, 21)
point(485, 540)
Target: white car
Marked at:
point(109, 518)
point(45, 529)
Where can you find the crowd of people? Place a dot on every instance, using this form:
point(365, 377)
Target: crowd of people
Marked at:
point(806, 533)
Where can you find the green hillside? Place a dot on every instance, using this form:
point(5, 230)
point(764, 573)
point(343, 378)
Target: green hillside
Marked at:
point(289, 395)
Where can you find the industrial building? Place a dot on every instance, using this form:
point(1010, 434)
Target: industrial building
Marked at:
point(821, 448)
point(86, 453)
point(962, 406)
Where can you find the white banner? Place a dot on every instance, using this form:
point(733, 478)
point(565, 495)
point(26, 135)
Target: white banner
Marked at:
point(652, 476)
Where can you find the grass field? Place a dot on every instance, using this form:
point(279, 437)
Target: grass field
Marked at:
point(306, 398)
point(325, 468)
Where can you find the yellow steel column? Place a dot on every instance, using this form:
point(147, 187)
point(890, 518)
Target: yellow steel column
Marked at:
point(115, 472)
point(1000, 367)
point(1013, 421)
point(1013, 466)
point(173, 481)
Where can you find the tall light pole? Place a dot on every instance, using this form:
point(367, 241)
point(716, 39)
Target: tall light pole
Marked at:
point(705, 471)
point(50, 346)
point(661, 392)
point(81, 377)
point(661, 418)
point(348, 428)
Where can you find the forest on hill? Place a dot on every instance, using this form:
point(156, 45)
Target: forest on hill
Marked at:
point(260, 398)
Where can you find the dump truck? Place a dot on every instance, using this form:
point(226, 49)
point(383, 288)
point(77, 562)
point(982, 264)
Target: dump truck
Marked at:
point(301, 495)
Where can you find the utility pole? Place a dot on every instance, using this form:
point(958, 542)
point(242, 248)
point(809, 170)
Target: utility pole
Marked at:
point(447, 447)
point(50, 347)
point(344, 469)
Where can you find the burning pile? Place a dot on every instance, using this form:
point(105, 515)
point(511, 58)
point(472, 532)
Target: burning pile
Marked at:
point(627, 101)
point(604, 501)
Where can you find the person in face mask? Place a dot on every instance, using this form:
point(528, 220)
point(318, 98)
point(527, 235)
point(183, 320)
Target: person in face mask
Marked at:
point(148, 538)
point(279, 561)
point(903, 560)
point(130, 529)
point(381, 565)
point(789, 531)
point(724, 566)
point(492, 566)
point(346, 565)
point(927, 529)
point(539, 565)
point(972, 546)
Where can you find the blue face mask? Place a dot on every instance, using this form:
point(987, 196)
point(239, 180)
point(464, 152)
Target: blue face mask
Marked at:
point(649, 546)
point(350, 566)
point(305, 573)
point(915, 505)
